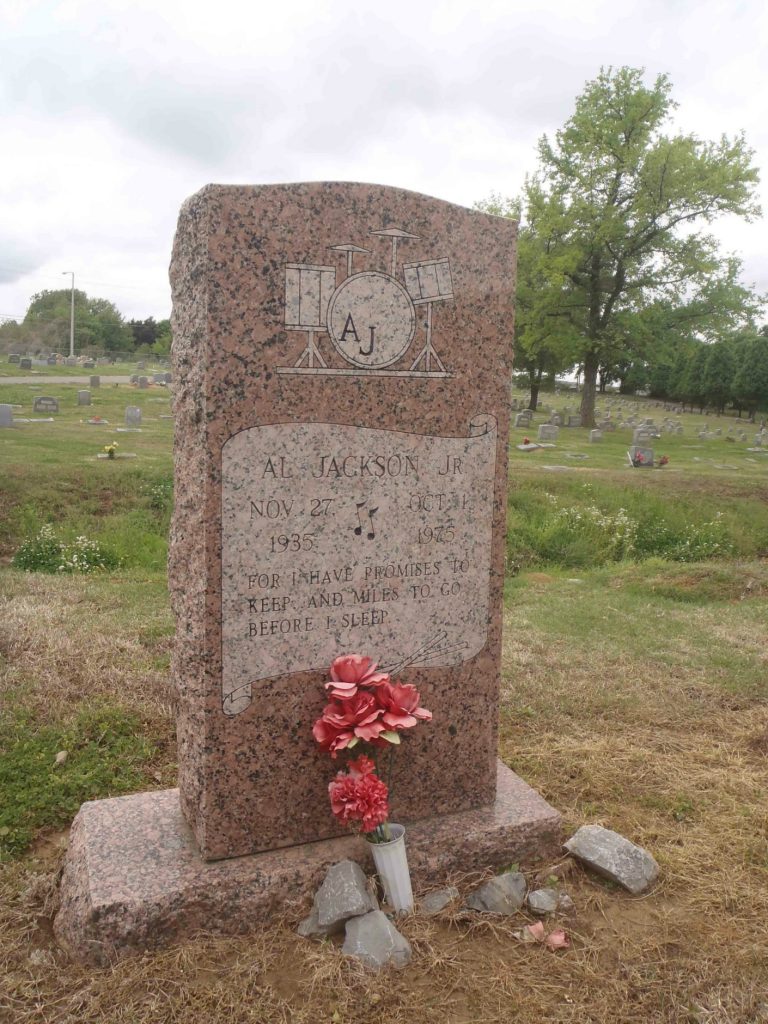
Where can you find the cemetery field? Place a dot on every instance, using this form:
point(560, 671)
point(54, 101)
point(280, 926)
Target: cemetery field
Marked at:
point(11, 370)
point(633, 696)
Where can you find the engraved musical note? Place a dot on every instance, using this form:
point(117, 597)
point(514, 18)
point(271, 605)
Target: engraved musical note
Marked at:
point(359, 527)
point(371, 534)
point(372, 531)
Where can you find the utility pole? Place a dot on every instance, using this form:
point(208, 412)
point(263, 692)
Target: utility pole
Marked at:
point(71, 316)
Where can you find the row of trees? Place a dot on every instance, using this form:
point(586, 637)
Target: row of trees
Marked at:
point(732, 372)
point(616, 267)
point(100, 328)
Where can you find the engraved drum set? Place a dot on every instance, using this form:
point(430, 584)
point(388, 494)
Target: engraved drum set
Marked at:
point(370, 317)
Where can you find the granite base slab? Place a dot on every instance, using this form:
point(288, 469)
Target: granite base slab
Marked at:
point(134, 880)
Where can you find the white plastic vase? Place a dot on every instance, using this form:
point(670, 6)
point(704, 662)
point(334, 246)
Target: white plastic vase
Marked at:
point(392, 867)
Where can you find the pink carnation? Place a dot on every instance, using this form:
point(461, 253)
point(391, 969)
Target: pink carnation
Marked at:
point(359, 798)
point(362, 766)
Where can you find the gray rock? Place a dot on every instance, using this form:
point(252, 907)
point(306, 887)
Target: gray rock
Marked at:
point(503, 894)
point(310, 927)
point(343, 894)
point(375, 940)
point(565, 904)
point(543, 901)
point(614, 857)
point(434, 902)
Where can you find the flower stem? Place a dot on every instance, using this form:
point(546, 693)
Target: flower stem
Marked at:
point(390, 769)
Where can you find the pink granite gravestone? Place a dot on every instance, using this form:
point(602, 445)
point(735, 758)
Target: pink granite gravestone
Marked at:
point(342, 356)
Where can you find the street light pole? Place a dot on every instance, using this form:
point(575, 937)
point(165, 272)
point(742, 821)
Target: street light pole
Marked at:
point(71, 316)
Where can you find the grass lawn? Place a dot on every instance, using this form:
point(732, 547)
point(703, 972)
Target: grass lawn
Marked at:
point(633, 695)
point(11, 370)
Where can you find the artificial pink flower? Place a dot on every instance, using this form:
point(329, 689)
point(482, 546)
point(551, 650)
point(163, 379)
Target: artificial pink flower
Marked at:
point(331, 737)
point(362, 766)
point(351, 671)
point(361, 798)
point(359, 716)
point(557, 939)
point(400, 702)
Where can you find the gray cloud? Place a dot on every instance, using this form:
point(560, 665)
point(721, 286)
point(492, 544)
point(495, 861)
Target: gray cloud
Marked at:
point(114, 116)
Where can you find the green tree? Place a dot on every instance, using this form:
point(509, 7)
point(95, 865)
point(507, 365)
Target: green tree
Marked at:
point(717, 381)
point(616, 203)
point(692, 388)
point(99, 325)
point(750, 381)
point(544, 343)
point(162, 343)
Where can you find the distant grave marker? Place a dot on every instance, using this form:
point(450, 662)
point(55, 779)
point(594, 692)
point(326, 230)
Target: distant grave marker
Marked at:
point(44, 403)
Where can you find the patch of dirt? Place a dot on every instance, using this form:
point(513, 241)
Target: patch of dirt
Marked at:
point(759, 742)
point(49, 848)
point(106, 503)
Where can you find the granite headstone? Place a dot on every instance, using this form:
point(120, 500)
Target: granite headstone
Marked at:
point(341, 398)
point(348, 448)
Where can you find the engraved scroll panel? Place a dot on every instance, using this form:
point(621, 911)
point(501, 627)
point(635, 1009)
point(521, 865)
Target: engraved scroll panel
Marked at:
point(339, 539)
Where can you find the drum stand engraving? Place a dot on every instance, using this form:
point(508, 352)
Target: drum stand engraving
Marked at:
point(370, 317)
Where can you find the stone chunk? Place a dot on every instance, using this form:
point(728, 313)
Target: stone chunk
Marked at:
point(614, 857)
point(503, 894)
point(565, 904)
point(375, 940)
point(542, 901)
point(434, 902)
point(343, 894)
point(310, 927)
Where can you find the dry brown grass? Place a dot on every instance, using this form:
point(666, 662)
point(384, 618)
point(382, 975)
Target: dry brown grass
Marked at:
point(657, 751)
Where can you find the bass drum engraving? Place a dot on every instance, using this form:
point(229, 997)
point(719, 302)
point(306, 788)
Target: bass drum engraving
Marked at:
point(371, 320)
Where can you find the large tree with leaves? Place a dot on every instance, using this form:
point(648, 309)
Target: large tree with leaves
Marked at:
point(99, 325)
point(544, 343)
point(750, 382)
point(619, 208)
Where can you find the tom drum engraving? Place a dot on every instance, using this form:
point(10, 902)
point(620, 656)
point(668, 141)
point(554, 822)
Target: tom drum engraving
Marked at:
point(370, 317)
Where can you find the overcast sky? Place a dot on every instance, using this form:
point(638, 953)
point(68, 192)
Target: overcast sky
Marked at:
point(113, 112)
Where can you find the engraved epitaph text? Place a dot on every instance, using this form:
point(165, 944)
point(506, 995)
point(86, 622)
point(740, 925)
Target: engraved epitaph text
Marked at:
point(339, 538)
